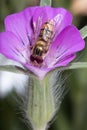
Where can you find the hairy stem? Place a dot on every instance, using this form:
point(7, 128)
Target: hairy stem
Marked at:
point(44, 99)
point(40, 104)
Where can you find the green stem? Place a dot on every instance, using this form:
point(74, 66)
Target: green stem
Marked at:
point(45, 2)
point(83, 32)
point(41, 104)
point(44, 99)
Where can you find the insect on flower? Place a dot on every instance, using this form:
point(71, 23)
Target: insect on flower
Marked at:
point(41, 47)
point(42, 44)
point(56, 41)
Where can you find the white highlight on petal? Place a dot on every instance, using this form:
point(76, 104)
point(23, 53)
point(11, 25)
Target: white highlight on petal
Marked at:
point(57, 19)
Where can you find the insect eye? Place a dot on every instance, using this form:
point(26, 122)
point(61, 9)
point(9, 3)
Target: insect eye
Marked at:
point(39, 60)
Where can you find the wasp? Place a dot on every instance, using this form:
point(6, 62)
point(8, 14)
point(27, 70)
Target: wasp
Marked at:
point(42, 44)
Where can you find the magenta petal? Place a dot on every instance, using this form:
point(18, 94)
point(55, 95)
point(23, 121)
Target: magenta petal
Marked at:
point(46, 13)
point(65, 61)
point(41, 72)
point(68, 42)
point(20, 24)
point(11, 47)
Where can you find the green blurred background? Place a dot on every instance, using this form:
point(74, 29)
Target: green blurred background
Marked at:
point(73, 111)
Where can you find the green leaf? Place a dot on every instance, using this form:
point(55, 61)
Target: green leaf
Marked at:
point(45, 2)
point(77, 65)
point(12, 68)
point(16, 69)
point(83, 32)
point(74, 65)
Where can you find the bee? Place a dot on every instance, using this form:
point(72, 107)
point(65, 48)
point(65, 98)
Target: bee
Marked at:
point(42, 44)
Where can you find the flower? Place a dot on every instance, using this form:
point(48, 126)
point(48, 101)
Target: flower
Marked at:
point(24, 29)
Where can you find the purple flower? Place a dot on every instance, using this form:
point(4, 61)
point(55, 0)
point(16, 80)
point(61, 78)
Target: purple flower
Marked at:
point(41, 39)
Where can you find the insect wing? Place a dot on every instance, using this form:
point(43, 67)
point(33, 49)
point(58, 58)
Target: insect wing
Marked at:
point(56, 21)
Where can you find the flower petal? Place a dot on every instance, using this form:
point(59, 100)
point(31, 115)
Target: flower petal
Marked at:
point(60, 16)
point(20, 24)
point(37, 71)
point(68, 42)
point(41, 72)
point(11, 47)
point(65, 61)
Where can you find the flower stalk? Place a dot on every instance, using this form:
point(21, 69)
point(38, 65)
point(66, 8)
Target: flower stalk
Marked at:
point(41, 103)
point(43, 100)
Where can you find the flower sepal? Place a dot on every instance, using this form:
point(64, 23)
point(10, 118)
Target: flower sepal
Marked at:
point(16, 69)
